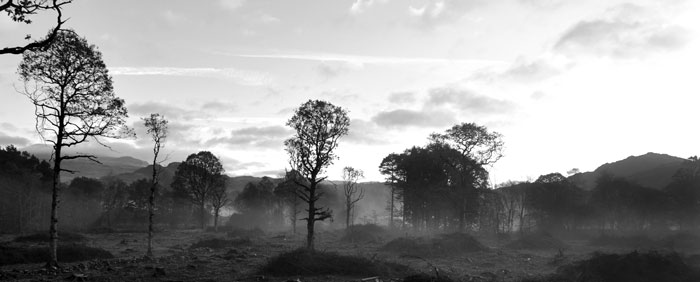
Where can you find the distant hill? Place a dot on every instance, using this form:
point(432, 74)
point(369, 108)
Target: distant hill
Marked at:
point(651, 170)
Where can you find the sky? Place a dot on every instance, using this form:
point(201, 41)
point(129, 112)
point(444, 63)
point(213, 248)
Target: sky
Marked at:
point(569, 84)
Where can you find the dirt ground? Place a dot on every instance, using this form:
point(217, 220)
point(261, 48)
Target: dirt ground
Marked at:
point(176, 261)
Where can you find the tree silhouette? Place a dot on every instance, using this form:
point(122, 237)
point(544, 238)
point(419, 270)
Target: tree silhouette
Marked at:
point(74, 101)
point(318, 126)
point(21, 10)
point(352, 192)
point(466, 148)
point(219, 199)
point(157, 129)
point(197, 176)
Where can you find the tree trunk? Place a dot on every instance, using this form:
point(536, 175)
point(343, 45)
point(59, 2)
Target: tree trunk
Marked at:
point(201, 215)
point(151, 207)
point(348, 208)
point(311, 220)
point(216, 220)
point(53, 231)
point(391, 212)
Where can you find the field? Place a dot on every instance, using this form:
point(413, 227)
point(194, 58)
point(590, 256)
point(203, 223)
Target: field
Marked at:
point(194, 255)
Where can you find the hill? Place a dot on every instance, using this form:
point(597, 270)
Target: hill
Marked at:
point(652, 170)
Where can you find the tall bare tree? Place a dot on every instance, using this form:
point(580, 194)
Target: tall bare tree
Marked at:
point(22, 10)
point(352, 191)
point(157, 129)
point(74, 101)
point(196, 177)
point(318, 126)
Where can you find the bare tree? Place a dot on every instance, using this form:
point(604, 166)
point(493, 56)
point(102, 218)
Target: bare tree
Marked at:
point(318, 126)
point(219, 199)
point(74, 101)
point(21, 10)
point(352, 191)
point(157, 129)
point(197, 176)
point(287, 191)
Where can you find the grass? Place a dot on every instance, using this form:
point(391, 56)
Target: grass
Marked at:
point(305, 262)
point(217, 243)
point(71, 253)
point(632, 267)
point(444, 244)
point(43, 237)
point(245, 233)
point(364, 233)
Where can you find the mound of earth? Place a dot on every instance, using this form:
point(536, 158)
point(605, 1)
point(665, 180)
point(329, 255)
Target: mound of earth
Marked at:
point(631, 267)
point(306, 262)
point(536, 241)
point(43, 237)
point(72, 253)
point(217, 243)
point(637, 241)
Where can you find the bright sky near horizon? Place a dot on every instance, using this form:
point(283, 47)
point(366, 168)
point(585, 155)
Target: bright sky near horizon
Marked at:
point(569, 84)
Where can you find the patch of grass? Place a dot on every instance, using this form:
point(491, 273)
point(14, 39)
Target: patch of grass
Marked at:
point(536, 241)
point(426, 278)
point(245, 233)
point(217, 243)
point(305, 262)
point(681, 242)
point(636, 241)
point(631, 267)
point(44, 237)
point(71, 253)
point(444, 244)
point(364, 233)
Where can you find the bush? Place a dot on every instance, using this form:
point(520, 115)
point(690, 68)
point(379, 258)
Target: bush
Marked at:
point(217, 243)
point(364, 233)
point(632, 267)
point(71, 253)
point(305, 262)
point(44, 237)
point(445, 244)
point(536, 241)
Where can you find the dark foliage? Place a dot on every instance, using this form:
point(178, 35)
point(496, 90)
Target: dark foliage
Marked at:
point(306, 262)
point(68, 253)
point(364, 233)
point(445, 244)
point(43, 237)
point(217, 243)
point(536, 241)
point(632, 267)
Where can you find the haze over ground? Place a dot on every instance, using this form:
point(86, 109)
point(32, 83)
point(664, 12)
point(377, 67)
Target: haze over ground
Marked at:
point(568, 83)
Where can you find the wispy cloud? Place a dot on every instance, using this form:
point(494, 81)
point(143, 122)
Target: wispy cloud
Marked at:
point(361, 59)
point(243, 77)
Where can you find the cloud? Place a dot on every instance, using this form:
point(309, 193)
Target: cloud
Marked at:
point(332, 69)
point(365, 132)
point(13, 140)
point(218, 106)
point(438, 12)
point(625, 31)
point(268, 137)
point(232, 4)
point(524, 71)
point(402, 97)
point(466, 101)
point(359, 61)
point(242, 77)
point(359, 6)
point(168, 111)
point(410, 118)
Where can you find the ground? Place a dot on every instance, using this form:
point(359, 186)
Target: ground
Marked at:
point(176, 261)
